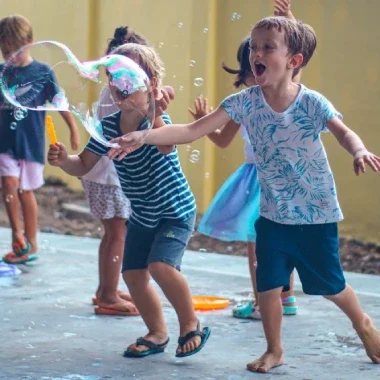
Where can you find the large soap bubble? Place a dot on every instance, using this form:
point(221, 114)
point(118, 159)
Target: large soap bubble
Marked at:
point(56, 80)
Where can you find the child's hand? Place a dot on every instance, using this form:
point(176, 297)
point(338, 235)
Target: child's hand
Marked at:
point(201, 108)
point(282, 8)
point(169, 90)
point(57, 154)
point(162, 97)
point(74, 139)
point(364, 157)
point(127, 144)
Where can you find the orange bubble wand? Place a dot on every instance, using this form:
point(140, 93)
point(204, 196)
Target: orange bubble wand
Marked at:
point(51, 130)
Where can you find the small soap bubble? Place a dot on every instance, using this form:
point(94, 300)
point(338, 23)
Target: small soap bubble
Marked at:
point(202, 250)
point(194, 157)
point(234, 16)
point(198, 82)
point(115, 259)
point(180, 25)
point(88, 234)
point(20, 113)
point(188, 148)
point(8, 198)
point(192, 63)
point(238, 17)
point(181, 88)
point(174, 76)
point(13, 125)
point(205, 30)
point(160, 45)
point(207, 175)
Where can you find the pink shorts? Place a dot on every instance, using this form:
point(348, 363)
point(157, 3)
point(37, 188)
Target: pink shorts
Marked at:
point(30, 174)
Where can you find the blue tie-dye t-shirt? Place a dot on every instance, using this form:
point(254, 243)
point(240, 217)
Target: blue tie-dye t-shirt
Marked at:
point(297, 184)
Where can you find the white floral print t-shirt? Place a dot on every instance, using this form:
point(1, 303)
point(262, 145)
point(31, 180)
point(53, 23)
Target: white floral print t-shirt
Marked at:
point(297, 185)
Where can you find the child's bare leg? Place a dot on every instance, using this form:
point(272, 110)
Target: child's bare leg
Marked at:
point(10, 187)
point(251, 247)
point(271, 313)
point(148, 303)
point(362, 323)
point(29, 209)
point(177, 291)
point(110, 259)
point(102, 249)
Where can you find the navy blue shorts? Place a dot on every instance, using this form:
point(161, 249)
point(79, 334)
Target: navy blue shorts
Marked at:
point(313, 249)
point(165, 243)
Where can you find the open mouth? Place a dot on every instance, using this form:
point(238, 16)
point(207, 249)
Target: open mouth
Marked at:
point(259, 69)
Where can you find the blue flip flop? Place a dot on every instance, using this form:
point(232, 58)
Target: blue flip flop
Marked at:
point(153, 348)
point(204, 334)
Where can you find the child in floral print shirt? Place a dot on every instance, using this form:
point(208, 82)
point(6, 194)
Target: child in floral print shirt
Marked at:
point(299, 207)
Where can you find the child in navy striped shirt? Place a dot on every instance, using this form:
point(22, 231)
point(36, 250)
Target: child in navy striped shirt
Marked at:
point(161, 224)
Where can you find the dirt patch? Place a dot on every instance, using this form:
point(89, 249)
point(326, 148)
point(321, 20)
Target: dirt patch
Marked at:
point(356, 256)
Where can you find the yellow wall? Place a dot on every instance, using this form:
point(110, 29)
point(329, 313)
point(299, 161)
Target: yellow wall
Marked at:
point(346, 69)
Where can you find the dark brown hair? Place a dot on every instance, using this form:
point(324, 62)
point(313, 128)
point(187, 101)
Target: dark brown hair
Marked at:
point(124, 35)
point(300, 38)
point(244, 65)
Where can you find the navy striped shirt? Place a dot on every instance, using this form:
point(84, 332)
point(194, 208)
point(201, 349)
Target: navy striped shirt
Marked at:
point(153, 182)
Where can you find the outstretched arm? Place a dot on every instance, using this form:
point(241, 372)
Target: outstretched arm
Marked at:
point(220, 137)
point(353, 144)
point(175, 134)
point(75, 165)
point(223, 137)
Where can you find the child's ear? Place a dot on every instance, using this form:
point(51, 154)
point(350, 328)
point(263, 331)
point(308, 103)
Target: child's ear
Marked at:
point(295, 61)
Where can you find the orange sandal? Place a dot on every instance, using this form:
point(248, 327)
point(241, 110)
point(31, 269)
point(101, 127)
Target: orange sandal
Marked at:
point(123, 295)
point(119, 308)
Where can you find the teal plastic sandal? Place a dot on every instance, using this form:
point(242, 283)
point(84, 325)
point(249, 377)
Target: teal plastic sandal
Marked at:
point(243, 310)
point(289, 310)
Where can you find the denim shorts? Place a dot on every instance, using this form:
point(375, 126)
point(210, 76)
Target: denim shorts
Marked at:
point(313, 249)
point(165, 243)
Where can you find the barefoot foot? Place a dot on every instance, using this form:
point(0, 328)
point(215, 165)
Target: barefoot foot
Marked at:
point(269, 360)
point(370, 337)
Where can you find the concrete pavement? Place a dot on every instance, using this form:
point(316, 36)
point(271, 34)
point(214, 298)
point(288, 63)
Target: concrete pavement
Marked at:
point(48, 329)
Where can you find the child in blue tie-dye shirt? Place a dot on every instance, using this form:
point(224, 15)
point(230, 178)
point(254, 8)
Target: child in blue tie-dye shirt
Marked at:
point(299, 208)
